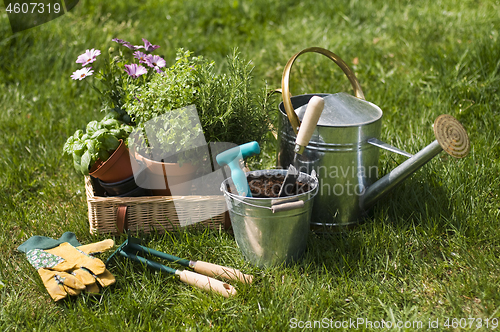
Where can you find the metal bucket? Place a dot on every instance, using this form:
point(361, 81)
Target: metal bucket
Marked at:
point(268, 238)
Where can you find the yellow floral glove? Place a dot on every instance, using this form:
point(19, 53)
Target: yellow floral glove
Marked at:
point(65, 269)
point(97, 247)
point(58, 283)
point(87, 277)
point(78, 258)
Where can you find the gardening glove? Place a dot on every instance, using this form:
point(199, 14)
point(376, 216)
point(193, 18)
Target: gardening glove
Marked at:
point(104, 279)
point(83, 276)
point(58, 284)
point(97, 247)
point(44, 242)
point(85, 268)
point(80, 259)
point(86, 276)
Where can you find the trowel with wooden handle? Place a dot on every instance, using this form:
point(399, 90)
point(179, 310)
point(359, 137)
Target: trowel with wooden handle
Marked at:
point(311, 117)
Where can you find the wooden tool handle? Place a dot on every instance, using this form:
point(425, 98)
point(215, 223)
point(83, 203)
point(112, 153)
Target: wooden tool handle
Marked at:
point(206, 283)
point(287, 206)
point(310, 120)
point(225, 272)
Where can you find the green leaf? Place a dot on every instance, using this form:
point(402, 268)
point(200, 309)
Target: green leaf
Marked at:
point(97, 135)
point(110, 142)
point(78, 147)
point(112, 115)
point(78, 134)
point(73, 143)
point(92, 127)
point(92, 147)
point(76, 161)
point(85, 163)
point(104, 155)
point(116, 132)
point(111, 124)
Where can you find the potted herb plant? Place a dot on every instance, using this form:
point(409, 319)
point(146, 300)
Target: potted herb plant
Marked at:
point(172, 147)
point(189, 103)
point(101, 151)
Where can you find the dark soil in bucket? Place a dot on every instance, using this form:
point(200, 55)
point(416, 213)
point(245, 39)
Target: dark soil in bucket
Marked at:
point(268, 186)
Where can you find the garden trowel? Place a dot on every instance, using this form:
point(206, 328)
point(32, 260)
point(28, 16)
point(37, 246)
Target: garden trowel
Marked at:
point(311, 117)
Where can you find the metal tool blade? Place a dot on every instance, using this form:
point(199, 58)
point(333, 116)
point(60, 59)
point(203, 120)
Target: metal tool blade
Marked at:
point(289, 183)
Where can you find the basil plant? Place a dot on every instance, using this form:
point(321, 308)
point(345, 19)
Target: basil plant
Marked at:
point(99, 141)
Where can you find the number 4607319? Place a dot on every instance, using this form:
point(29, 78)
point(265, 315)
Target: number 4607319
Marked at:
point(33, 8)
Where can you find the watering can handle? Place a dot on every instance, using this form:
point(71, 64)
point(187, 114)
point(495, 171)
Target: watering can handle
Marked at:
point(287, 102)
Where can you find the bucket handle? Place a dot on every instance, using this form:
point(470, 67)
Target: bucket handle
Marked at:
point(291, 205)
point(280, 206)
point(285, 80)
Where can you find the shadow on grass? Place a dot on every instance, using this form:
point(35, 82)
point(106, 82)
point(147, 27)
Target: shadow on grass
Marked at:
point(405, 225)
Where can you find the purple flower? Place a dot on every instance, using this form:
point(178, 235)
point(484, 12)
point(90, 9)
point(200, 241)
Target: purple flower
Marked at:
point(132, 47)
point(141, 56)
point(156, 62)
point(148, 46)
point(80, 74)
point(135, 70)
point(120, 41)
point(88, 57)
point(126, 44)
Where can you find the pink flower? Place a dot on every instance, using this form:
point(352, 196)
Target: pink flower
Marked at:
point(135, 70)
point(148, 46)
point(88, 57)
point(141, 56)
point(156, 62)
point(80, 74)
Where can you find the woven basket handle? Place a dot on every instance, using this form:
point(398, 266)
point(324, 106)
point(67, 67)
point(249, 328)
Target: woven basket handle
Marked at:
point(121, 219)
point(285, 80)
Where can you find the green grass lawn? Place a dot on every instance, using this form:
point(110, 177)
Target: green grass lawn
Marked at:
point(429, 252)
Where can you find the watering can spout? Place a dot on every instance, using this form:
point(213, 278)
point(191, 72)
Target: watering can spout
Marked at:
point(450, 137)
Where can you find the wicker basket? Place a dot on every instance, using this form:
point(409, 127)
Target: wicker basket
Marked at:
point(112, 215)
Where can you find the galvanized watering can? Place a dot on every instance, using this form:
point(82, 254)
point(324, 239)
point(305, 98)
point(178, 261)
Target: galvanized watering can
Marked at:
point(344, 149)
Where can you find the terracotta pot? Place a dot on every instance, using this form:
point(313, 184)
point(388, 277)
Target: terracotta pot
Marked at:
point(96, 165)
point(118, 167)
point(168, 174)
point(127, 187)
